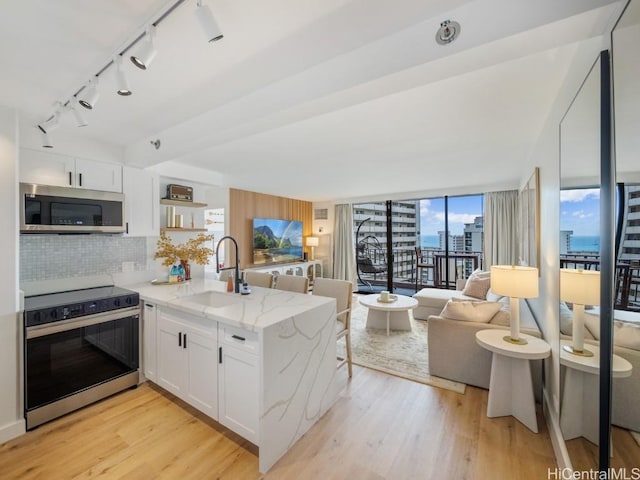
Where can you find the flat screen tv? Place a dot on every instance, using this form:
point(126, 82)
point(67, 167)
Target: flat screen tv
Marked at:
point(276, 241)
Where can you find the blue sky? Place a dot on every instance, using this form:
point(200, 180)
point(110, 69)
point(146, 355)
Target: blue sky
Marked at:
point(580, 211)
point(461, 210)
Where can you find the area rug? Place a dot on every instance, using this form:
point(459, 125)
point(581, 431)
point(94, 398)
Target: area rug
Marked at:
point(402, 353)
point(636, 436)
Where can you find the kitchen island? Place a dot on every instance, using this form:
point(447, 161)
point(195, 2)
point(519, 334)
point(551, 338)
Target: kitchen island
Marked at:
point(261, 364)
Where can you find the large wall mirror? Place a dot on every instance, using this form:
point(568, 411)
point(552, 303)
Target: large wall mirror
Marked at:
point(625, 393)
point(600, 394)
point(580, 161)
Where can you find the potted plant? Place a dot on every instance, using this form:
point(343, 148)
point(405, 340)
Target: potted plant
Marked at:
point(192, 250)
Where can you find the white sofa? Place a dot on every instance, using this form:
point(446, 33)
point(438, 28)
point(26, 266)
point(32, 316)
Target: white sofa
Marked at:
point(453, 351)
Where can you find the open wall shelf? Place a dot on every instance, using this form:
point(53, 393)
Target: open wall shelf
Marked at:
point(180, 203)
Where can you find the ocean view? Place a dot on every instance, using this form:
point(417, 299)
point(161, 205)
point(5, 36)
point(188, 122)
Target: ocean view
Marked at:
point(585, 243)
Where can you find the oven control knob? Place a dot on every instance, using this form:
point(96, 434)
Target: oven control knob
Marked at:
point(116, 302)
point(129, 300)
point(36, 317)
point(53, 314)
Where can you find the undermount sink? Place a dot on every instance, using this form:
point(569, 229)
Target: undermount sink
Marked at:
point(215, 299)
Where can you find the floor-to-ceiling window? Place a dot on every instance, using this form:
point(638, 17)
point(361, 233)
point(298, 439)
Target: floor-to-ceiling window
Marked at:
point(392, 238)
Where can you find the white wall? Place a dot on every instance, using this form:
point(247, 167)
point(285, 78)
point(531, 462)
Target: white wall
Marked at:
point(11, 421)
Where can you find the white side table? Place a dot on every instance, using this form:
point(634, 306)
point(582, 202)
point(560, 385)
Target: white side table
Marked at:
point(511, 386)
point(381, 314)
point(580, 399)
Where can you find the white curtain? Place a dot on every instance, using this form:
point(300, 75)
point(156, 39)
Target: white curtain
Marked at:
point(500, 228)
point(344, 259)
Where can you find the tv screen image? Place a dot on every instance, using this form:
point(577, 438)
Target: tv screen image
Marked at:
point(276, 241)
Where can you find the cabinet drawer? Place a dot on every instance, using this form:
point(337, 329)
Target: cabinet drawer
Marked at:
point(239, 338)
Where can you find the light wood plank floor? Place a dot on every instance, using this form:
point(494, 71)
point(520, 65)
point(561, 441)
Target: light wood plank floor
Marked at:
point(626, 452)
point(382, 427)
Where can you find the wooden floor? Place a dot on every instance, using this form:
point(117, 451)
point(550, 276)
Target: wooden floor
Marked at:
point(626, 452)
point(382, 427)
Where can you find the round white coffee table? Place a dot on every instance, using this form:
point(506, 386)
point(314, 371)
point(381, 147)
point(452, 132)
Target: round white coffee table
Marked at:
point(510, 385)
point(386, 314)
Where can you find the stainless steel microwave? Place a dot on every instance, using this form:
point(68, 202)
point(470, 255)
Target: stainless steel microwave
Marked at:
point(49, 209)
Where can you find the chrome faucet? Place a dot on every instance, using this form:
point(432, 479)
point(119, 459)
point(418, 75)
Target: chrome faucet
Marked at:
point(237, 279)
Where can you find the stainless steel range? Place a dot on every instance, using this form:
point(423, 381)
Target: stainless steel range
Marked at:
point(80, 346)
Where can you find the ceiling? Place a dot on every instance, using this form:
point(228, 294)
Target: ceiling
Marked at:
point(319, 100)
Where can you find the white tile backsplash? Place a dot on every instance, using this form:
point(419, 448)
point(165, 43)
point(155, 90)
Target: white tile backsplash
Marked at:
point(50, 257)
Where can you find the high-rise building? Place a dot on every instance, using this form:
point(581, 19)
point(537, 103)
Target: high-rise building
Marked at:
point(405, 220)
point(630, 239)
point(565, 241)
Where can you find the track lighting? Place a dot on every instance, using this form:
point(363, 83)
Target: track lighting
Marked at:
point(50, 124)
point(90, 95)
point(142, 54)
point(208, 22)
point(46, 140)
point(146, 52)
point(74, 107)
point(121, 78)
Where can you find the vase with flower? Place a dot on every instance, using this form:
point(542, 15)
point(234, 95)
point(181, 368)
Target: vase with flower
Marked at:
point(191, 250)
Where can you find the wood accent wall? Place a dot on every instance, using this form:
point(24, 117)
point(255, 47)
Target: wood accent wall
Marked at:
point(244, 206)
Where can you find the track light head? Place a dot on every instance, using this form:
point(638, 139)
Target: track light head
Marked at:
point(121, 78)
point(50, 124)
point(208, 22)
point(74, 106)
point(146, 52)
point(89, 95)
point(46, 140)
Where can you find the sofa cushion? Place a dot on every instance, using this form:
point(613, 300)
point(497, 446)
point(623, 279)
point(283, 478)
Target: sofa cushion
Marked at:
point(435, 297)
point(470, 310)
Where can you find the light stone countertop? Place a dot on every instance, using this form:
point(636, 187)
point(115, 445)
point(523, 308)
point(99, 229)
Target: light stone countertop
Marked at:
point(262, 308)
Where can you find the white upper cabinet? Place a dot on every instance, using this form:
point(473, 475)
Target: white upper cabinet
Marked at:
point(141, 196)
point(46, 168)
point(98, 175)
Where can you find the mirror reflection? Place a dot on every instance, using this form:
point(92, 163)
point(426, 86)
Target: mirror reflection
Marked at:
point(625, 408)
point(580, 272)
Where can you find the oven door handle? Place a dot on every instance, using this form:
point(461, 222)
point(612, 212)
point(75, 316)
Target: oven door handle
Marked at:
point(79, 322)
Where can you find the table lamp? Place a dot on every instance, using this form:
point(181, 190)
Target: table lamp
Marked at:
point(312, 242)
point(515, 282)
point(579, 287)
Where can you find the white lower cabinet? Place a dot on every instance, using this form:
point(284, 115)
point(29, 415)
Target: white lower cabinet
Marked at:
point(211, 366)
point(186, 359)
point(238, 387)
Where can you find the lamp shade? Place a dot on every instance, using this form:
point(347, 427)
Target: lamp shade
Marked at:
point(580, 286)
point(514, 281)
point(312, 241)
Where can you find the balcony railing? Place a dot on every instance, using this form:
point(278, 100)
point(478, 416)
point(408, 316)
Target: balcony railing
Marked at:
point(461, 264)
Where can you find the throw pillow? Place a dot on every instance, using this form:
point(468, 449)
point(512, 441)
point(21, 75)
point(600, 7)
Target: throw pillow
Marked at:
point(477, 287)
point(566, 319)
point(470, 310)
point(625, 333)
